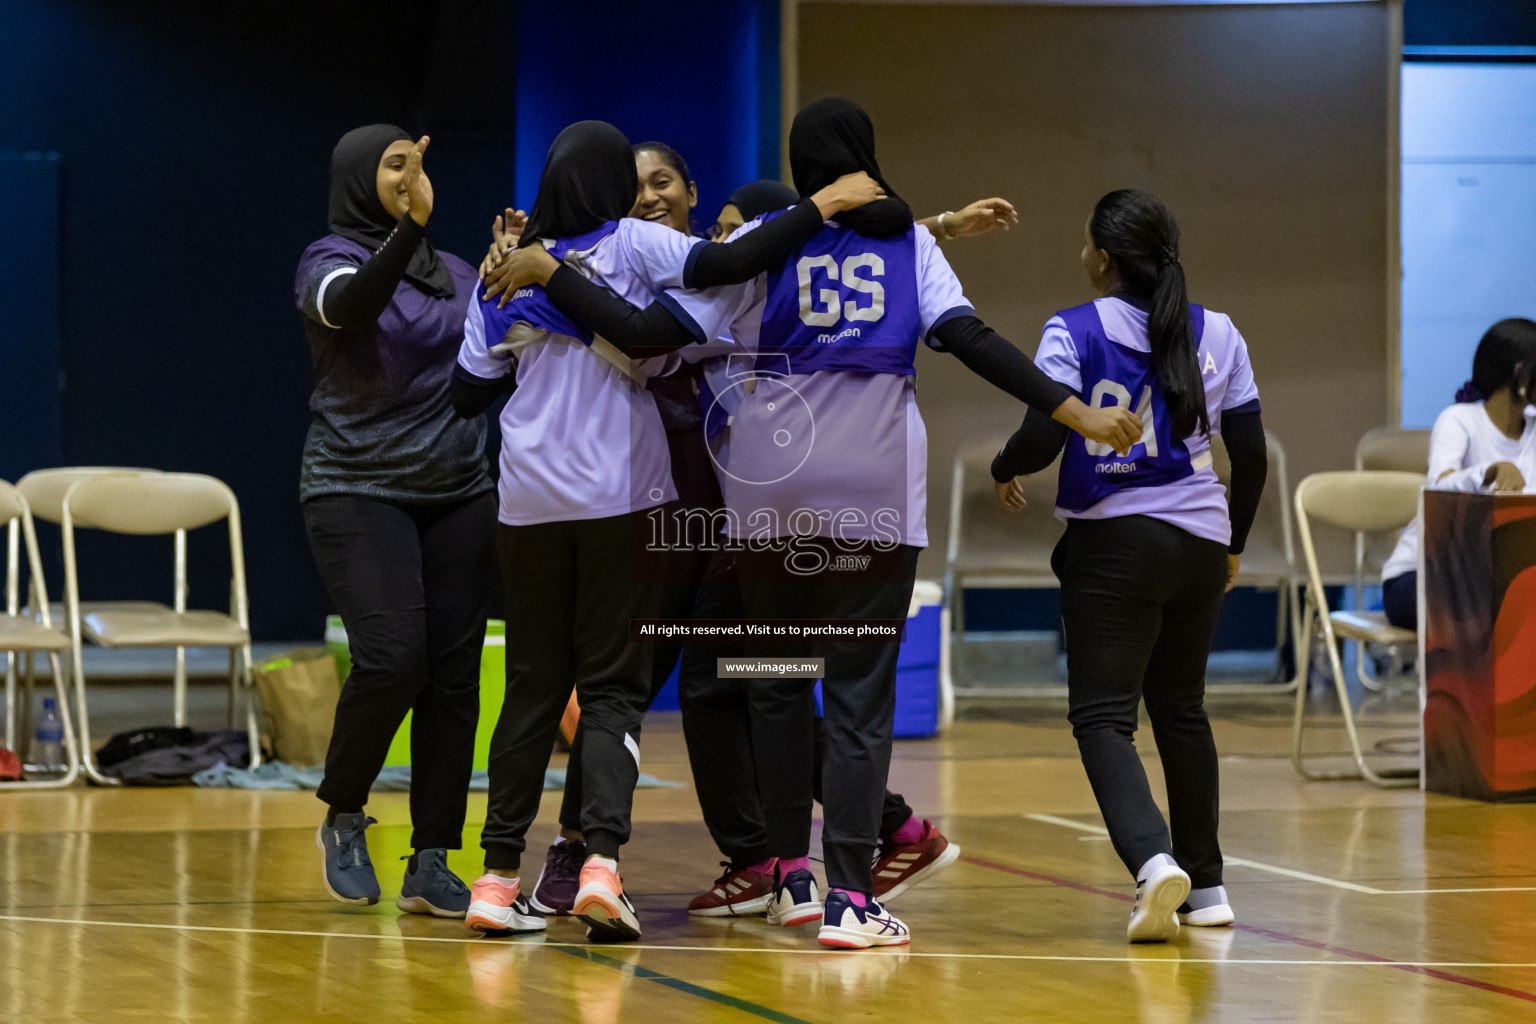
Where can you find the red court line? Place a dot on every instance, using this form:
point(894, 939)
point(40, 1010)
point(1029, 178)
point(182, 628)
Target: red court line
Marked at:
point(1353, 954)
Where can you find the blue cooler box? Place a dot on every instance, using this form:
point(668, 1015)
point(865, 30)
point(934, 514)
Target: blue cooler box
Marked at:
point(917, 666)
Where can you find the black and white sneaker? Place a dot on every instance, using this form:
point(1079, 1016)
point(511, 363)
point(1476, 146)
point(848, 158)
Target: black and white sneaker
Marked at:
point(846, 926)
point(1155, 918)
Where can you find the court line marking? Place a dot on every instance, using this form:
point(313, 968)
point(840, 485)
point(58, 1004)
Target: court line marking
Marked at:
point(1275, 869)
point(892, 951)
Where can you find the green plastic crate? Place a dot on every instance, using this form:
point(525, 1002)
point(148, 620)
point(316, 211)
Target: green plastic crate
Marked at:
point(493, 687)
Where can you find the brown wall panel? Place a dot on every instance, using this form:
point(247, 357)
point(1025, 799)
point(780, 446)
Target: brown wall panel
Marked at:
point(1266, 129)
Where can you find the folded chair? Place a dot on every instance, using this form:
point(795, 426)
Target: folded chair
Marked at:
point(1362, 501)
point(22, 633)
point(158, 504)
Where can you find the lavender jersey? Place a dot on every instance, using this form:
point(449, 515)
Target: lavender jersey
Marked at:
point(1102, 352)
point(838, 451)
point(581, 436)
point(829, 307)
point(1091, 471)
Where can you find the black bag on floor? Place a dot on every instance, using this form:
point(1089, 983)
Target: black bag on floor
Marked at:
point(174, 764)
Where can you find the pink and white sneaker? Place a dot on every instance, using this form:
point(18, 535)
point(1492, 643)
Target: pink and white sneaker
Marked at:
point(495, 908)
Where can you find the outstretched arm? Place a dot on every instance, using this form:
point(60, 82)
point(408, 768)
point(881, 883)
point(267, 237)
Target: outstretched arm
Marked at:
point(992, 358)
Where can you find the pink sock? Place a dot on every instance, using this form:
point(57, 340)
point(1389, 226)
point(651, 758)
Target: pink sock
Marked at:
point(789, 864)
point(858, 899)
point(764, 867)
point(911, 831)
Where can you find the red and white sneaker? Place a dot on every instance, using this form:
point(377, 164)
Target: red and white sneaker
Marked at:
point(739, 892)
point(602, 904)
point(497, 908)
point(794, 900)
point(898, 867)
point(846, 926)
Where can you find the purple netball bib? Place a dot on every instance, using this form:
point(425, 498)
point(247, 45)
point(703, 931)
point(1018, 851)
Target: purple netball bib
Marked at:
point(1116, 375)
point(532, 305)
point(843, 302)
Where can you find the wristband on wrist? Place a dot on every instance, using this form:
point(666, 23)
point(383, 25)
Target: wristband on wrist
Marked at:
point(944, 228)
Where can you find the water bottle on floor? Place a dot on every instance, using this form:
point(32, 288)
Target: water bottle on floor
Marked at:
point(47, 752)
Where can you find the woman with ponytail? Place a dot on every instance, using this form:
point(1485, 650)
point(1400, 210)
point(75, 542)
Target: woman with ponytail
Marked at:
point(1485, 442)
point(1152, 542)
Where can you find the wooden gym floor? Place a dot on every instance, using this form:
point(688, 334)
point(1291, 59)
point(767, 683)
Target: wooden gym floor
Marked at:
point(1354, 904)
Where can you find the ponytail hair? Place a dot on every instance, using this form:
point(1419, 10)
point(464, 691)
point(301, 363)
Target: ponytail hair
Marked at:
point(1141, 236)
point(1505, 358)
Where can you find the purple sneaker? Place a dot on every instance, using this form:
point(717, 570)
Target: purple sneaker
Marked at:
point(560, 878)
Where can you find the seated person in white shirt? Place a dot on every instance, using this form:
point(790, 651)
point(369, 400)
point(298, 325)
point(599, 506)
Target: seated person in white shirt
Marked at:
point(1485, 442)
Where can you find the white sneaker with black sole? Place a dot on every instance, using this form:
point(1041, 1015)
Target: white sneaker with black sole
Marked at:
point(1155, 917)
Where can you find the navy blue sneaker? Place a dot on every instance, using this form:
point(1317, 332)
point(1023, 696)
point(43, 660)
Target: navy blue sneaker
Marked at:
point(431, 888)
point(348, 872)
point(794, 899)
point(845, 926)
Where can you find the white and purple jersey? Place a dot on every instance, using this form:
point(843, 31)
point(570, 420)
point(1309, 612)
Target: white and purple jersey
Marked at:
point(826, 438)
point(1101, 351)
point(828, 308)
point(581, 437)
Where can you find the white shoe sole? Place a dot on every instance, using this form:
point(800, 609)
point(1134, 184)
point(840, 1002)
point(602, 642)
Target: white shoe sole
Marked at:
point(949, 856)
point(489, 917)
point(417, 905)
point(1156, 918)
point(608, 919)
point(325, 877)
point(848, 938)
point(1218, 916)
point(749, 908)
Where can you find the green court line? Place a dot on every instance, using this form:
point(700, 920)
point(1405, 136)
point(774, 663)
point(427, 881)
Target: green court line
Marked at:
point(646, 974)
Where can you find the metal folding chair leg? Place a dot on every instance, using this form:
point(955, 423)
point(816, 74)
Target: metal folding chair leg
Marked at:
point(87, 755)
point(1392, 779)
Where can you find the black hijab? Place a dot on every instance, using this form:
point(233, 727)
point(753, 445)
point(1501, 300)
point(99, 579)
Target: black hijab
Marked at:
point(357, 214)
point(834, 137)
point(756, 198)
point(589, 179)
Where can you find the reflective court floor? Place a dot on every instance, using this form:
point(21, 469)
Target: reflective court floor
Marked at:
point(1353, 904)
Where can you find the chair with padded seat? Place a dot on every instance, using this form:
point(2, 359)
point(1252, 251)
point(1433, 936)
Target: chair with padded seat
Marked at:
point(1361, 502)
point(22, 633)
point(151, 504)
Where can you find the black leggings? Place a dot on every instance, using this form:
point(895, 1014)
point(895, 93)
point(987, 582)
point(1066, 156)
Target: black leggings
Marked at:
point(411, 583)
point(1139, 601)
point(858, 693)
point(571, 588)
point(1400, 600)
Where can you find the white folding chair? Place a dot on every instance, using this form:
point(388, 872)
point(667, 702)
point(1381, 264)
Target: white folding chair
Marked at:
point(22, 633)
point(1269, 560)
point(1386, 448)
point(1362, 501)
point(44, 490)
point(989, 547)
point(158, 504)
